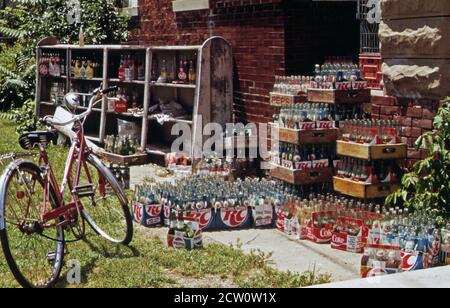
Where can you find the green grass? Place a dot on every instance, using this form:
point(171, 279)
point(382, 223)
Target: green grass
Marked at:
point(147, 262)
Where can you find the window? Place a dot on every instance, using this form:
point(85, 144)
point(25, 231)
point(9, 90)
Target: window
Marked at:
point(190, 5)
point(130, 7)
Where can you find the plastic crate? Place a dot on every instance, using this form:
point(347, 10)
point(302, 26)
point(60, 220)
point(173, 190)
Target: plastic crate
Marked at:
point(370, 65)
point(370, 40)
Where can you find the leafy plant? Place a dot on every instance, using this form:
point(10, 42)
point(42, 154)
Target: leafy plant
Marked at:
point(427, 187)
point(26, 22)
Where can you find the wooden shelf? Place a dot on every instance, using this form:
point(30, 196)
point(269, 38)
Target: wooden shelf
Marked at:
point(332, 96)
point(185, 119)
point(174, 85)
point(97, 79)
point(314, 136)
point(131, 160)
point(116, 80)
point(213, 101)
point(362, 190)
point(372, 152)
point(302, 177)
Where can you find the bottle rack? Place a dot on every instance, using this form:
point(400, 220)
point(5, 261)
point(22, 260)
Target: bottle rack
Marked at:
point(208, 99)
point(368, 153)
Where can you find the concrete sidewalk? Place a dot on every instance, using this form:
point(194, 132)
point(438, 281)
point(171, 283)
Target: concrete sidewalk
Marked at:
point(294, 256)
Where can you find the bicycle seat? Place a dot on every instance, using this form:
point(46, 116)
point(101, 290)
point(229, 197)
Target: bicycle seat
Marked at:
point(31, 140)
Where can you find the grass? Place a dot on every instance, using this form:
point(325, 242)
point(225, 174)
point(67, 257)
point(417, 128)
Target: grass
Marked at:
point(147, 262)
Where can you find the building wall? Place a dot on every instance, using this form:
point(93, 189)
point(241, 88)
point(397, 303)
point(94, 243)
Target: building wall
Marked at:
point(269, 37)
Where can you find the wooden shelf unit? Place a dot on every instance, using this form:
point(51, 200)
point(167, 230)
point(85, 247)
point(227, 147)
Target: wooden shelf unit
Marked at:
point(209, 99)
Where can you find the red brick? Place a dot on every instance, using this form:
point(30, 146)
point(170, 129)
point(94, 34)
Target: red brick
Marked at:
point(428, 114)
point(414, 154)
point(391, 110)
point(384, 100)
point(406, 131)
point(426, 124)
point(376, 109)
point(414, 112)
point(416, 132)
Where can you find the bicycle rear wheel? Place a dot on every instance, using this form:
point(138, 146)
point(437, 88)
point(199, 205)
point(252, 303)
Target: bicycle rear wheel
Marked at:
point(33, 253)
point(105, 205)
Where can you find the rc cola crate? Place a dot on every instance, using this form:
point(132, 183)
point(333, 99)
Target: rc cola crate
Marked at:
point(332, 96)
point(231, 218)
point(362, 190)
point(148, 215)
point(372, 152)
point(302, 177)
point(313, 136)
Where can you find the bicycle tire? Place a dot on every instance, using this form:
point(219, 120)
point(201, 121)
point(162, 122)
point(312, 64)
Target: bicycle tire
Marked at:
point(5, 180)
point(109, 177)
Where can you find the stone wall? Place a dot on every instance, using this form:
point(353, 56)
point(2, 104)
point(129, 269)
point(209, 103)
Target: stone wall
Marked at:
point(415, 43)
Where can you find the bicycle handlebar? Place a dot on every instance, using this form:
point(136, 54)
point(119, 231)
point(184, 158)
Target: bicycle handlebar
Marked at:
point(49, 120)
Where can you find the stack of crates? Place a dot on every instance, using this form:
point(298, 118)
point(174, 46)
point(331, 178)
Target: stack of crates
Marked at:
point(370, 57)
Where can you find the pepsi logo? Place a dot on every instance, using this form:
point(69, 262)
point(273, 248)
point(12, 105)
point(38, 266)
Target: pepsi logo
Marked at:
point(234, 218)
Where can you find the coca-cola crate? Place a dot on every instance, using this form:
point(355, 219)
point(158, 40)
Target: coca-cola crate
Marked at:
point(290, 227)
point(350, 242)
point(372, 152)
point(147, 215)
point(370, 65)
point(302, 177)
point(280, 100)
point(314, 136)
point(320, 235)
point(362, 190)
point(332, 96)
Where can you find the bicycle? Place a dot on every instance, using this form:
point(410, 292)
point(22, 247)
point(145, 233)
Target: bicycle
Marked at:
point(36, 211)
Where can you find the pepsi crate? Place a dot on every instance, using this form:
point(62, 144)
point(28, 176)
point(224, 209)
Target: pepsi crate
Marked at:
point(178, 239)
point(147, 215)
point(231, 218)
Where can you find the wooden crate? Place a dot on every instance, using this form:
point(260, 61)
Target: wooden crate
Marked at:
point(372, 152)
point(131, 160)
point(339, 96)
point(302, 177)
point(316, 136)
point(363, 191)
point(279, 100)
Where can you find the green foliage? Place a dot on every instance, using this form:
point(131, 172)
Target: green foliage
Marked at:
point(28, 21)
point(427, 188)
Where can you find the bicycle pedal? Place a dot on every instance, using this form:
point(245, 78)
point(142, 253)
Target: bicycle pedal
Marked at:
point(85, 191)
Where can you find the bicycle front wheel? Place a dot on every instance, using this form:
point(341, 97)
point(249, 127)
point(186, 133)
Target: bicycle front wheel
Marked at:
point(34, 252)
point(105, 205)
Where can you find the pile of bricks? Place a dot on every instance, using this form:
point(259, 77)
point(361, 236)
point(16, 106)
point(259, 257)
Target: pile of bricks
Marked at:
point(415, 116)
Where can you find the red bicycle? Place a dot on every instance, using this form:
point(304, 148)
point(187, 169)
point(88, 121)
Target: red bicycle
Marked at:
point(36, 212)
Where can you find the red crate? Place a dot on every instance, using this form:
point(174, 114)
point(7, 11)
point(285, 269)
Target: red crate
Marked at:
point(370, 65)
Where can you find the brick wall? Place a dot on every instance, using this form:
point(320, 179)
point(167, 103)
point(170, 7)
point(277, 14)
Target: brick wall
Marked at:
point(415, 116)
point(263, 33)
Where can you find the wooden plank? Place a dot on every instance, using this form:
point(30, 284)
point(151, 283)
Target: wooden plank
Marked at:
point(339, 96)
point(374, 152)
point(131, 160)
point(315, 136)
point(302, 177)
point(279, 100)
point(361, 190)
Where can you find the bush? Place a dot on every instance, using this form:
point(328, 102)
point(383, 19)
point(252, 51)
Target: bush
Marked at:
point(28, 21)
point(427, 188)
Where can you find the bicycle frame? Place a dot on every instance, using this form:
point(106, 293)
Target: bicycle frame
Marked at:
point(77, 155)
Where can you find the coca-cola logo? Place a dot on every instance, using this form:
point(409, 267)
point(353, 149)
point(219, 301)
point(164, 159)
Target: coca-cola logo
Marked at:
point(325, 233)
point(138, 212)
point(153, 210)
point(338, 239)
point(234, 218)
